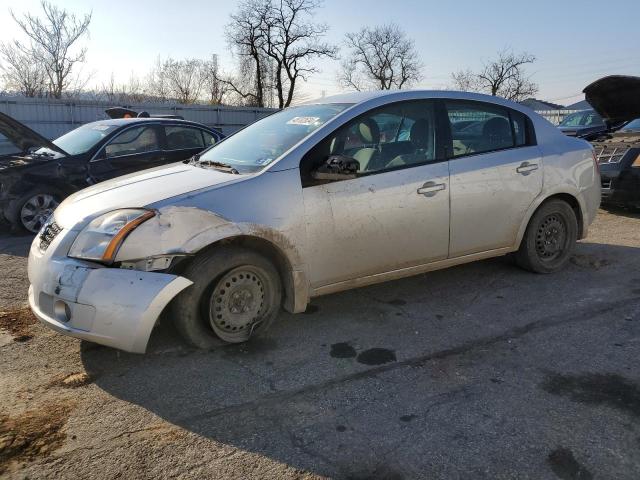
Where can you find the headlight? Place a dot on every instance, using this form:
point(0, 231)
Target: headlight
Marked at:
point(101, 239)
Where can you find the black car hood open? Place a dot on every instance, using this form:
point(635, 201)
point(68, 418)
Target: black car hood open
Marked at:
point(616, 98)
point(23, 137)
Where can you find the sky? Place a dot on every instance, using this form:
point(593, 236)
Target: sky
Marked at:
point(574, 42)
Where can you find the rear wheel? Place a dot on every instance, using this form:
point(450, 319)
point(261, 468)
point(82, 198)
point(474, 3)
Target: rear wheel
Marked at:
point(236, 295)
point(549, 239)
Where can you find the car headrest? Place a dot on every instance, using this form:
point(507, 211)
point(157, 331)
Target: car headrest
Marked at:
point(497, 129)
point(419, 133)
point(368, 131)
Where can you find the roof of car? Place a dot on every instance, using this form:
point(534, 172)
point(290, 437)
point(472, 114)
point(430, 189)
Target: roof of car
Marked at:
point(360, 97)
point(129, 121)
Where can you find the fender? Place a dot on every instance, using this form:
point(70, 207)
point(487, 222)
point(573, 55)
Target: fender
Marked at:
point(545, 195)
point(188, 230)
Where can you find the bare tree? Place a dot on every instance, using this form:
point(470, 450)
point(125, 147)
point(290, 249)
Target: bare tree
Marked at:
point(380, 58)
point(184, 78)
point(276, 42)
point(504, 76)
point(465, 81)
point(213, 87)
point(157, 85)
point(20, 73)
point(53, 40)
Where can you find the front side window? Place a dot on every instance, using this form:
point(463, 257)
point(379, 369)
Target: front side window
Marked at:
point(209, 139)
point(478, 127)
point(259, 144)
point(390, 137)
point(180, 138)
point(132, 141)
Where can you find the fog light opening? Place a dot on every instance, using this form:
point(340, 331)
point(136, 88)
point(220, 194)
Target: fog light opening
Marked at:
point(62, 311)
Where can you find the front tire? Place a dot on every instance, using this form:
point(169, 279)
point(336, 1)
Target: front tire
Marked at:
point(31, 210)
point(236, 294)
point(550, 238)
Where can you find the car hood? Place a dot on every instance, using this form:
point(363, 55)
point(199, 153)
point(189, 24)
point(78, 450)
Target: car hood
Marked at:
point(138, 190)
point(23, 137)
point(616, 98)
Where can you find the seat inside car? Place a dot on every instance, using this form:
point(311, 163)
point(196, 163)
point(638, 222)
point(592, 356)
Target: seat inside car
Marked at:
point(421, 141)
point(369, 134)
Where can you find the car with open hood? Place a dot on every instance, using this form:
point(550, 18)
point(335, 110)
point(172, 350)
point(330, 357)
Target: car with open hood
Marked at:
point(36, 174)
point(617, 99)
point(329, 195)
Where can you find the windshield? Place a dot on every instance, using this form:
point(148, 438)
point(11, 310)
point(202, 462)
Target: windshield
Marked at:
point(588, 118)
point(256, 146)
point(632, 125)
point(82, 138)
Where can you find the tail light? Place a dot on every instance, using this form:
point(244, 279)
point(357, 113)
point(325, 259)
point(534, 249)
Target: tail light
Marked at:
point(595, 161)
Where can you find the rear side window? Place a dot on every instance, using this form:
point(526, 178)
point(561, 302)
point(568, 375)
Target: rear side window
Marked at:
point(519, 122)
point(179, 138)
point(478, 127)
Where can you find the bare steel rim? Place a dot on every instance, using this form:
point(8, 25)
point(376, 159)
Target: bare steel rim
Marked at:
point(551, 237)
point(36, 210)
point(237, 304)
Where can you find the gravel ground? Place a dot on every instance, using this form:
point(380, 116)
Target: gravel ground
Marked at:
point(479, 371)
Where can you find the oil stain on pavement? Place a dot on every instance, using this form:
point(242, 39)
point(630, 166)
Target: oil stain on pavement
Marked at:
point(376, 356)
point(566, 467)
point(342, 350)
point(596, 389)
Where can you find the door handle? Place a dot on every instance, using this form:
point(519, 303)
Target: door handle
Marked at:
point(429, 189)
point(526, 168)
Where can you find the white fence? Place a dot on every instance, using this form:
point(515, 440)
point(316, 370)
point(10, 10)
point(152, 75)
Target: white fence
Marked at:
point(52, 118)
point(555, 116)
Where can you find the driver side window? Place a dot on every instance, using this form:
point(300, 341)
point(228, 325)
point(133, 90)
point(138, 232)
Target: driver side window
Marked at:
point(396, 136)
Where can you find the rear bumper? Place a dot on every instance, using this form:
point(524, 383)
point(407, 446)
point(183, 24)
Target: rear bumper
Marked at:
point(109, 306)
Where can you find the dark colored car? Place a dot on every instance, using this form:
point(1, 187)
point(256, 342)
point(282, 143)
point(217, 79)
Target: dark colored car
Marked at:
point(617, 100)
point(581, 123)
point(36, 174)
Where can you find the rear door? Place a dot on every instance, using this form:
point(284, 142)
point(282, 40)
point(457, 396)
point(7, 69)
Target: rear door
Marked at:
point(495, 175)
point(182, 142)
point(135, 148)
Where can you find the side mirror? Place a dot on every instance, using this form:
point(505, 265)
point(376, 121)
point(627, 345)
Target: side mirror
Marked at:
point(337, 167)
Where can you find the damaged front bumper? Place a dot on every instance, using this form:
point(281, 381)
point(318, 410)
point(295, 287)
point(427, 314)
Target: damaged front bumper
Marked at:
point(109, 306)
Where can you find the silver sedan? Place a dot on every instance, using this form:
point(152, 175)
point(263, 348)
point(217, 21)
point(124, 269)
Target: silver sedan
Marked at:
point(330, 195)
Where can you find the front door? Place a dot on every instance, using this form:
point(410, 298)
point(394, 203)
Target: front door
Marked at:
point(395, 213)
point(136, 148)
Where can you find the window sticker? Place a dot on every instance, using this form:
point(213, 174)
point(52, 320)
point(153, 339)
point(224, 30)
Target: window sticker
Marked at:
point(303, 121)
point(100, 127)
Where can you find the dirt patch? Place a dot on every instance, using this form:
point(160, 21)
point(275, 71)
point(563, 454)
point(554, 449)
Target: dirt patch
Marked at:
point(33, 434)
point(18, 323)
point(75, 380)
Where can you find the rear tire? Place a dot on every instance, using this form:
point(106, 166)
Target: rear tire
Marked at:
point(550, 238)
point(236, 294)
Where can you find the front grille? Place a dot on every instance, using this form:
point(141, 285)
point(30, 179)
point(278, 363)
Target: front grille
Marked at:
point(47, 234)
point(606, 182)
point(610, 154)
